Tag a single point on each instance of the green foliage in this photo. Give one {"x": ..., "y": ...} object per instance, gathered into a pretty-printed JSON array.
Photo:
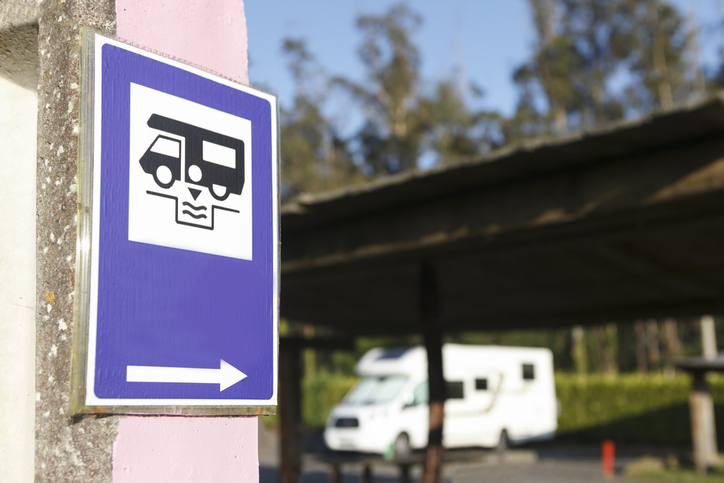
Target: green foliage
[
  {"x": 592, "y": 62},
  {"x": 319, "y": 395},
  {"x": 391, "y": 138},
  {"x": 658, "y": 60},
  {"x": 314, "y": 157},
  {"x": 626, "y": 408},
  {"x": 631, "y": 408},
  {"x": 582, "y": 45}
]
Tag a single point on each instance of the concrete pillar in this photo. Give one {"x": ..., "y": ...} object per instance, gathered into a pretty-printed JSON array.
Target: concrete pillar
[
  {"x": 708, "y": 337},
  {"x": 206, "y": 33},
  {"x": 210, "y": 34},
  {"x": 18, "y": 120},
  {"x": 703, "y": 429},
  {"x": 66, "y": 450}
]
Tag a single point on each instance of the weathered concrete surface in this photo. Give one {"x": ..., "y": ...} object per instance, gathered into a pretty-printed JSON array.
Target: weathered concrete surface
[
  {"x": 65, "y": 450},
  {"x": 18, "y": 122}
]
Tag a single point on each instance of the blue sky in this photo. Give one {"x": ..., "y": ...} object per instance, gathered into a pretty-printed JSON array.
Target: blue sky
[{"x": 489, "y": 37}]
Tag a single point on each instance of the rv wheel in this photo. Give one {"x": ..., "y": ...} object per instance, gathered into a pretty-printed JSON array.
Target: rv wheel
[
  {"x": 504, "y": 441},
  {"x": 402, "y": 446}
]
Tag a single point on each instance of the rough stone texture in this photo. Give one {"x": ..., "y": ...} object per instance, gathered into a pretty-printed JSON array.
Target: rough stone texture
[
  {"x": 19, "y": 42},
  {"x": 14, "y": 13},
  {"x": 66, "y": 449},
  {"x": 19, "y": 55}
]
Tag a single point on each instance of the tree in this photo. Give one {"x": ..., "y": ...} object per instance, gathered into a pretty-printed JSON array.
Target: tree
[
  {"x": 553, "y": 64},
  {"x": 391, "y": 138},
  {"x": 580, "y": 46},
  {"x": 661, "y": 60},
  {"x": 314, "y": 157},
  {"x": 453, "y": 131},
  {"x": 404, "y": 120}
]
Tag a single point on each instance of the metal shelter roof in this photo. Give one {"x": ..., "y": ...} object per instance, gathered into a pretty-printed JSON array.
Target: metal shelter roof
[{"x": 613, "y": 224}]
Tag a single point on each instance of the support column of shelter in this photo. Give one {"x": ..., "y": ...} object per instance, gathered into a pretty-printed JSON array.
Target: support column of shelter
[
  {"x": 432, "y": 332},
  {"x": 701, "y": 407},
  {"x": 708, "y": 337},
  {"x": 290, "y": 414},
  {"x": 290, "y": 402},
  {"x": 703, "y": 429}
]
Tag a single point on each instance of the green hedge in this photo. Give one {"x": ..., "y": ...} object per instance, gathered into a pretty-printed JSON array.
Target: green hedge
[
  {"x": 626, "y": 408},
  {"x": 629, "y": 408},
  {"x": 320, "y": 394}
]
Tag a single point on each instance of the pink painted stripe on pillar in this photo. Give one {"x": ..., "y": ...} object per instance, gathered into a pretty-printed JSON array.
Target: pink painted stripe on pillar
[
  {"x": 208, "y": 33},
  {"x": 183, "y": 449}
]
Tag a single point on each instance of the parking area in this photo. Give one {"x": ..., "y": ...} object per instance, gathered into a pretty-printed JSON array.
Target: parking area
[{"x": 550, "y": 463}]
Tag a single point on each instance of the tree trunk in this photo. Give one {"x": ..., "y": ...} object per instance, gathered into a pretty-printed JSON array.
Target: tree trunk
[
  {"x": 578, "y": 350},
  {"x": 659, "y": 57},
  {"x": 652, "y": 338},
  {"x": 671, "y": 343},
  {"x": 561, "y": 118},
  {"x": 641, "y": 358},
  {"x": 607, "y": 340}
]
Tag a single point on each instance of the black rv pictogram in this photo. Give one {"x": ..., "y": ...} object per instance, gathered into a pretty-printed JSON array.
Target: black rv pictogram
[{"x": 199, "y": 159}]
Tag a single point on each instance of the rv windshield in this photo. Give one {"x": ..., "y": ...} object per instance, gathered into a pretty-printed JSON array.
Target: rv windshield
[{"x": 375, "y": 390}]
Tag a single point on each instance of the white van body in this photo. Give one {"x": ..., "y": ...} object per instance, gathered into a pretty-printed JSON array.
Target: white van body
[{"x": 492, "y": 391}]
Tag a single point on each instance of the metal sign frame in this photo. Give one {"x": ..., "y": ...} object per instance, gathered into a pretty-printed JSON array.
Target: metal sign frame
[{"x": 84, "y": 372}]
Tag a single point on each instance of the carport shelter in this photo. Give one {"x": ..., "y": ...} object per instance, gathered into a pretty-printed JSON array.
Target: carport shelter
[{"x": 614, "y": 224}]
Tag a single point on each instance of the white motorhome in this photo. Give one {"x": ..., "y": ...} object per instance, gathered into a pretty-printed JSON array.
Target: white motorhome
[{"x": 495, "y": 396}]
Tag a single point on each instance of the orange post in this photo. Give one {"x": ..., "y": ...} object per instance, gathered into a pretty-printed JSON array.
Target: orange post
[{"x": 608, "y": 452}]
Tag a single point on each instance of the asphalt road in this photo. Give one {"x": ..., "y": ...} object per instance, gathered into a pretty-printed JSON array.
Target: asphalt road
[{"x": 548, "y": 464}]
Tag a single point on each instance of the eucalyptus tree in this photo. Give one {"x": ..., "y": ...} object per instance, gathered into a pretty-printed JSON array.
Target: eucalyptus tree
[
  {"x": 595, "y": 61},
  {"x": 392, "y": 135},
  {"x": 662, "y": 59},
  {"x": 314, "y": 156}
]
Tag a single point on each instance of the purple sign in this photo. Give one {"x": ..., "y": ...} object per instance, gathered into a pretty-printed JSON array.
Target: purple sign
[{"x": 184, "y": 245}]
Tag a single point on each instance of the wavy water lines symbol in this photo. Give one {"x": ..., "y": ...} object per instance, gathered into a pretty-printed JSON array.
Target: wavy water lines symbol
[
  {"x": 195, "y": 208},
  {"x": 196, "y": 217}
]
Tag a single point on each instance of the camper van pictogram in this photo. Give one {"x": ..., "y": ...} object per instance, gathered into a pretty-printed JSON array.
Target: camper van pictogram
[{"x": 201, "y": 161}]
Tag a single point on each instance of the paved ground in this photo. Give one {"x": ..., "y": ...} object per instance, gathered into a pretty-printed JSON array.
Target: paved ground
[
  {"x": 541, "y": 464},
  {"x": 548, "y": 471}
]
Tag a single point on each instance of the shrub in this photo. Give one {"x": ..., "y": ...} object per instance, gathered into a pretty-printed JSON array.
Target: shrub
[
  {"x": 319, "y": 395},
  {"x": 631, "y": 408},
  {"x": 628, "y": 408}
]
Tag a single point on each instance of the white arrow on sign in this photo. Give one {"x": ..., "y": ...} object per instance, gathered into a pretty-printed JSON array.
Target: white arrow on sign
[{"x": 225, "y": 376}]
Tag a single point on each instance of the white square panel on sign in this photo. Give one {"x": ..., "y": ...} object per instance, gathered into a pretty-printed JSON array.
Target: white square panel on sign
[{"x": 189, "y": 176}]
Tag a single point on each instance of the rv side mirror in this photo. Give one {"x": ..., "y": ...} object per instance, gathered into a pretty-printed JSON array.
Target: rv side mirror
[{"x": 408, "y": 401}]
